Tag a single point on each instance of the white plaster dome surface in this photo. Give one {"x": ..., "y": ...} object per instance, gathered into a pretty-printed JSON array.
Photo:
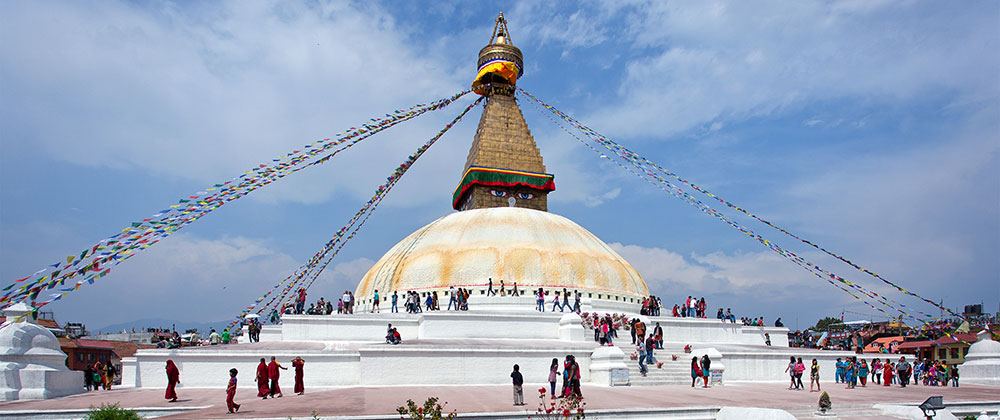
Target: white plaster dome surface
[
  {"x": 984, "y": 347},
  {"x": 27, "y": 337},
  {"x": 32, "y": 366},
  {"x": 982, "y": 363},
  {"x": 533, "y": 248}
]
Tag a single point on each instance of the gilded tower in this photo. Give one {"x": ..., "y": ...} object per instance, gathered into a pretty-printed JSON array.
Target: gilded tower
[{"x": 504, "y": 167}]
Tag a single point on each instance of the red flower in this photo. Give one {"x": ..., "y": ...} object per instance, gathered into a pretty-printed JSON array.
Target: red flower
[
  {"x": 420, "y": 409},
  {"x": 541, "y": 390},
  {"x": 566, "y": 413}
]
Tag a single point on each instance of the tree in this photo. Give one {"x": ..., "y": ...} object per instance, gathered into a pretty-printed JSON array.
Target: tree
[{"x": 829, "y": 323}]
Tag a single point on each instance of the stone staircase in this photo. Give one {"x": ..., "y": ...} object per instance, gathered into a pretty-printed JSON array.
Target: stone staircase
[{"x": 673, "y": 372}]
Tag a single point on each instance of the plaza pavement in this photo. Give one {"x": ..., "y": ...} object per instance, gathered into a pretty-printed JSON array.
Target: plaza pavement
[{"x": 379, "y": 401}]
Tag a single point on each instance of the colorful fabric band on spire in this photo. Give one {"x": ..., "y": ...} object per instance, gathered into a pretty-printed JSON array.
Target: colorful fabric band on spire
[{"x": 493, "y": 177}]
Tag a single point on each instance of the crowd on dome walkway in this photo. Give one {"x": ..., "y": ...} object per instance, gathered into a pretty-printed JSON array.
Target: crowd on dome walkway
[{"x": 853, "y": 371}]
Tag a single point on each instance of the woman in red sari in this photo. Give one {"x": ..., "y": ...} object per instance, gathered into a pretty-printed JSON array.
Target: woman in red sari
[
  {"x": 173, "y": 378},
  {"x": 299, "y": 365},
  {"x": 274, "y": 373},
  {"x": 887, "y": 373}
]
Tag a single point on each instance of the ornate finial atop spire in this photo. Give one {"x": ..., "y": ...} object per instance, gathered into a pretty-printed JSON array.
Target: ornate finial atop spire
[
  {"x": 500, "y": 33},
  {"x": 500, "y": 62}
]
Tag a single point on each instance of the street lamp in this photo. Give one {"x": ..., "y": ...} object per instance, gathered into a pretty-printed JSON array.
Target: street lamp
[{"x": 931, "y": 405}]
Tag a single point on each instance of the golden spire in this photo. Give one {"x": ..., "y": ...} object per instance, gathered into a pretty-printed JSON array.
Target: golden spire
[
  {"x": 500, "y": 63},
  {"x": 504, "y": 167}
]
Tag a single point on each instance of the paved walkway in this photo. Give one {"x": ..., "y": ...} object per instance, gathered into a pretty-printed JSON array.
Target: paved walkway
[{"x": 472, "y": 399}]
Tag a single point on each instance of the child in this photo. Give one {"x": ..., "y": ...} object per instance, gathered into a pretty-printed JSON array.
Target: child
[
  {"x": 814, "y": 377},
  {"x": 518, "y": 381},
  {"x": 231, "y": 392},
  {"x": 553, "y": 373}
]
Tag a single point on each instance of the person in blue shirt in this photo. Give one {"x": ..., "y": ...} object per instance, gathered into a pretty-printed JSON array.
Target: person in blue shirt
[{"x": 839, "y": 375}]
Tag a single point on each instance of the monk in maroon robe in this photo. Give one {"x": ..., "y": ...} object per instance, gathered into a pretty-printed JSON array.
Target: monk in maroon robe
[
  {"x": 274, "y": 373},
  {"x": 262, "y": 388},
  {"x": 299, "y": 365},
  {"x": 173, "y": 378}
]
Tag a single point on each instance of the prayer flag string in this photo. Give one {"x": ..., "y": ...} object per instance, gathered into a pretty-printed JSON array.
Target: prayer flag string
[
  {"x": 637, "y": 161},
  {"x": 628, "y": 154},
  {"x": 307, "y": 273},
  {"x": 96, "y": 262}
]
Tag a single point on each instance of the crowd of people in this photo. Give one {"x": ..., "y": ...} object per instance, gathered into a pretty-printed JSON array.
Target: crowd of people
[
  {"x": 691, "y": 308},
  {"x": 458, "y": 299},
  {"x": 268, "y": 375},
  {"x": 98, "y": 376},
  {"x": 650, "y": 306},
  {"x": 560, "y": 300},
  {"x": 490, "y": 291},
  {"x": 887, "y": 372},
  {"x": 853, "y": 371}
]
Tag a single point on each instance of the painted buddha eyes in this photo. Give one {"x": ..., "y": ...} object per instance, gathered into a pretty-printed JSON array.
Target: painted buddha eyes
[{"x": 520, "y": 195}]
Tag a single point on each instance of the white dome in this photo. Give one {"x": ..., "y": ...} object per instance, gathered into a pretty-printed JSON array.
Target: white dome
[
  {"x": 533, "y": 248},
  {"x": 33, "y": 365},
  {"x": 984, "y": 347},
  {"x": 26, "y": 337}
]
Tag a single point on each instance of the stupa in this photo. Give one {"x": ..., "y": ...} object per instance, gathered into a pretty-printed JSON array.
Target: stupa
[
  {"x": 32, "y": 366},
  {"x": 982, "y": 362},
  {"x": 502, "y": 230}
]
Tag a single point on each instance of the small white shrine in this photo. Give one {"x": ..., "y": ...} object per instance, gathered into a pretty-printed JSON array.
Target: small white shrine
[{"x": 32, "y": 366}]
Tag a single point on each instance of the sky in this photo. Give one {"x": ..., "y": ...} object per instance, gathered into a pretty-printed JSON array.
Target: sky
[{"x": 871, "y": 128}]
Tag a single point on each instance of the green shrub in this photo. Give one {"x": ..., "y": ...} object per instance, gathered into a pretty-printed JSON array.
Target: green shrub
[
  {"x": 431, "y": 410},
  {"x": 112, "y": 412}
]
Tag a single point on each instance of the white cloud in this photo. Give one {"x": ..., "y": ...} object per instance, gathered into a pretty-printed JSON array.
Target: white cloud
[
  {"x": 340, "y": 277},
  {"x": 185, "y": 275},
  {"x": 206, "y": 91},
  {"x": 672, "y": 274},
  {"x": 733, "y": 61},
  {"x": 916, "y": 217}
]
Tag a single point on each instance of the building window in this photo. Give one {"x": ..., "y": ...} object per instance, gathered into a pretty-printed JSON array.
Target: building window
[
  {"x": 942, "y": 353},
  {"x": 90, "y": 356},
  {"x": 104, "y": 357},
  {"x": 79, "y": 356},
  {"x": 954, "y": 353}
]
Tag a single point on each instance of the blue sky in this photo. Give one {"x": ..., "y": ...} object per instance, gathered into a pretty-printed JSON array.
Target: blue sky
[{"x": 871, "y": 128}]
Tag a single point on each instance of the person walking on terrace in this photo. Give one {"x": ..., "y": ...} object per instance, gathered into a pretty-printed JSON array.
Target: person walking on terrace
[
  {"x": 173, "y": 378},
  {"x": 273, "y": 373},
  {"x": 231, "y": 392}
]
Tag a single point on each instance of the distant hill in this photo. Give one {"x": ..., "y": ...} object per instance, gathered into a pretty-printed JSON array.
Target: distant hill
[{"x": 142, "y": 324}]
